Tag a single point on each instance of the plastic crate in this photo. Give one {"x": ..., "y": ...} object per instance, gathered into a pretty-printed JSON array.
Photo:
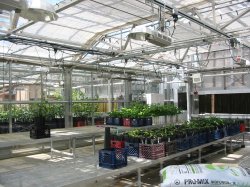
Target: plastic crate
[
  {"x": 117, "y": 144},
  {"x": 202, "y": 138},
  {"x": 37, "y": 133},
  {"x": 217, "y": 134},
  {"x": 182, "y": 143},
  {"x": 126, "y": 122},
  {"x": 137, "y": 122},
  {"x": 113, "y": 158},
  {"x": 152, "y": 151},
  {"x": 109, "y": 121},
  {"x": 194, "y": 140},
  {"x": 148, "y": 121},
  {"x": 170, "y": 147},
  {"x": 117, "y": 121},
  {"x": 242, "y": 127},
  {"x": 223, "y": 132},
  {"x": 132, "y": 149}
]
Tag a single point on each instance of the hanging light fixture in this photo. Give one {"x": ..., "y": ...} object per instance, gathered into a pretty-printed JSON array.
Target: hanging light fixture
[
  {"x": 39, "y": 10},
  {"x": 35, "y": 10}
]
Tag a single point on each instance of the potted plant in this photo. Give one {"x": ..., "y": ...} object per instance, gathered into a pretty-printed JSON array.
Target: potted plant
[
  {"x": 40, "y": 112},
  {"x": 115, "y": 118},
  {"x": 4, "y": 121}
]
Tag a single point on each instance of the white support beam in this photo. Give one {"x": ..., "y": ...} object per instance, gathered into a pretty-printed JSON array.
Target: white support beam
[
  {"x": 235, "y": 19},
  {"x": 213, "y": 10},
  {"x": 185, "y": 54}
]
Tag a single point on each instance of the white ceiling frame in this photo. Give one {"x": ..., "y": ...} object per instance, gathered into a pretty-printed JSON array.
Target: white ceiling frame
[{"x": 235, "y": 19}]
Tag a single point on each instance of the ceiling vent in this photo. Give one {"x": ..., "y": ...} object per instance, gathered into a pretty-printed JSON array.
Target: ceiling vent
[{"x": 152, "y": 36}]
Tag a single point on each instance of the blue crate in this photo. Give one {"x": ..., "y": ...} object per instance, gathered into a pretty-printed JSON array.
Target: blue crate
[
  {"x": 233, "y": 129},
  {"x": 216, "y": 134},
  {"x": 113, "y": 158},
  {"x": 109, "y": 121},
  {"x": 183, "y": 143},
  {"x": 224, "y": 132},
  {"x": 137, "y": 122},
  {"x": 132, "y": 149},
  {"x": 202, "y": 138},
  {"x": 194, "y": 140}
]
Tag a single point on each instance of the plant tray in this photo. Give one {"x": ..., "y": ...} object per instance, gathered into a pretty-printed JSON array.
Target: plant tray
[
  {"x": 170, "y": 147},
  {"x": 117, "y": 144},
  {"x": 112, "y": 158},
  {"x": 132, "y": 149},
  {"x": 152, "y": 151}
]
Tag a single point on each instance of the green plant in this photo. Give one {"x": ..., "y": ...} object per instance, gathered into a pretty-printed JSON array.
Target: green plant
[
  {"x": 115, "y": 114},
  {"x": 163, "y": 110},
  {"x": 82, "y": 109},
  {"x": 22, "y": 114},
  {"x": 4, "y": 116},
  {"x": 41, "y": 109}
]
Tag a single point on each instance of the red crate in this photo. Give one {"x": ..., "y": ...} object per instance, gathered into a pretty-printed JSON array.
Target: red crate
[
  {"x": 117, "y": 144},
  {"x": 152, "y": 151},
  {"x": 242, "y": 127},
  {"x": 127, "y": 122}
]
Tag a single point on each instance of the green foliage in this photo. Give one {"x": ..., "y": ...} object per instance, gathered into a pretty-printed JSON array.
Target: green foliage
[
  {"x": 115, "y": 114},
  {"x": 4, "y": 116},
  {"x": 139, "y": 110},
  {"x": 195, "y": 125},
  {"x": 82, "y": 109},
  {"x": 163, "y": 110},
  {"x": 22, "y": 114}
]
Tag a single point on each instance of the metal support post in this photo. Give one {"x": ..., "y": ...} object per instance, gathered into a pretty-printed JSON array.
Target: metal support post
[
  {"x": 109, "y": 95},
  {"x": 68, "y": 97},
  {"x": 231, "y": 147},
  {"x": 139, "y": 177},
  {"x": 51, "y": 148},
  {"x": 74, "y": 148},
  {"x": 199, "y": 155},
  {"x": 161, "y": 166},
  {"x": 188, "y": 100},
  {"x": 93, "y": 142},
  {"x": 10, "y": 97},
  {"x": 107, "y": 138},
  {"x": 128, "y": 95},
  {"x": 225, "y": 147},
  {"x": 243, "y": 141},
  {"x": 92, "y": 98}
]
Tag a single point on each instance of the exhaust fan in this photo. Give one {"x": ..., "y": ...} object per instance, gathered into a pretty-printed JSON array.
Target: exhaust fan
[
  {"x": 152, "y": 36},
  {"x": 36, "y": 10},
  {"x": 196, "y": 78}
]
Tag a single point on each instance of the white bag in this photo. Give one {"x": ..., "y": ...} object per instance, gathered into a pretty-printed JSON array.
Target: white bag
[{"x": 205, "y": 175}]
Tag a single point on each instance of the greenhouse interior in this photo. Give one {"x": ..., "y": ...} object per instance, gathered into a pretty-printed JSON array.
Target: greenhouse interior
[{"x": 124, "y": 93}]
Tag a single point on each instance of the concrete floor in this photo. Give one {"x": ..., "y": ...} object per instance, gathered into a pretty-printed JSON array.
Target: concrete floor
[{"x": 41, "y": 170}]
